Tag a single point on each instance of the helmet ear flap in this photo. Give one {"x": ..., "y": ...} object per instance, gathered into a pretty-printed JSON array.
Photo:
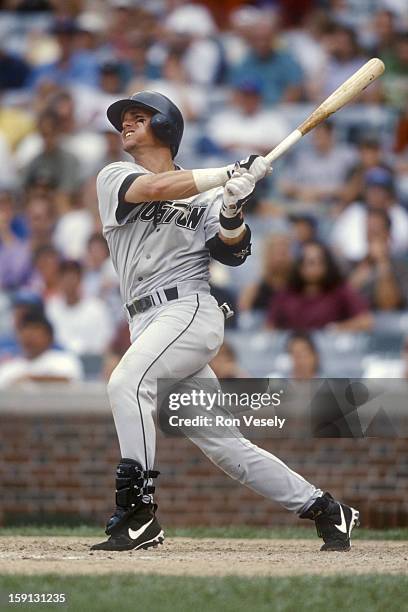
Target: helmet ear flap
[{"x": 162, "y": 127}]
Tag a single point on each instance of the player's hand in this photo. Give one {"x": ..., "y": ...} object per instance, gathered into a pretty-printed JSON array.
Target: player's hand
[
  {"x": 256, "y": 165},
  {"x": 236, "y": 192}
]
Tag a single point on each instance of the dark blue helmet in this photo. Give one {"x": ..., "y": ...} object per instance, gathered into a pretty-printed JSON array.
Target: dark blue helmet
[{"x": 167, "y": 122}]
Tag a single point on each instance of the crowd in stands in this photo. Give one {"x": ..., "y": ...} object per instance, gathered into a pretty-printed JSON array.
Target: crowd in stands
[{"x": 330, "y": 225}]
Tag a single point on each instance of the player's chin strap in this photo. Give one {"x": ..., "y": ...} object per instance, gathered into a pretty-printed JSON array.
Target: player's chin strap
[{"x": 133, "y": 488}]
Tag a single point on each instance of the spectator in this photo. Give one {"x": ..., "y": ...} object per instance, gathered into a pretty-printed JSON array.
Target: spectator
[
  {"x": 280, "y": 75},
  {"x": 73, "y": 65},
  {"x": 349, "y": 234},
  {"x": 318, "y": 297},
  {"x": 137, "y": 67},
  {"x": 304, "y": 229},
  {"x": 370, "y": 155},
  {"x": 111, "y": 78},
  {"x": 84, "y": 110},
  {"x": 13, "y": 308},
  {"x": 23, "y": 303},
  {"x": 303, "y": 360},
  {"x": 246, "y": 126},
  {"x": 384, "y": 33},
  {"x": 225, "y": 364},
  {"x": 100, "y": 278},
  {"x": 39, "y": 363},
  {"x": 40, "y": 216},
  {"x": 91, "y": 30},
  {"x": 395, "y": 80},
  {"x": 344, "y": 58},
  {"x": 75, "y": 114},
  {"x": 15, "y": 256},
  {"x": 236, "y": 39},
  {"x": 317, "y": 173},
  {"x": 82, "y": 325},
  {"x": 54, "y": 165},
  {"x": 45, "y": 279},
  {"x": 77, "y": 138},
  {"x": 306, "y": 45},
  {"x": 381, "y": 277},
  {"x": 190, "y": 30},
  {"x": 122, "y": 20},
  {"x": 191, "y": 98},
  {"x": 304, "y": 357},
  {"x": 277, "y": 262},
  {"x": 73, "y": 228}
]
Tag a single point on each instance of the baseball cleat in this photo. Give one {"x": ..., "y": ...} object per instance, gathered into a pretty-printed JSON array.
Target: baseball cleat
[
  {"x": 140, "y": 530},
  {"x": 334, "y": 522}
]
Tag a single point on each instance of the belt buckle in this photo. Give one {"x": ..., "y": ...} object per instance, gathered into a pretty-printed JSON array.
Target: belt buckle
[{"x": 144, "y": 303}]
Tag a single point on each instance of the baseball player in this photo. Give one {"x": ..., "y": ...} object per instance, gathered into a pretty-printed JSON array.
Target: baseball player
[{"x": 162, "y": 225}]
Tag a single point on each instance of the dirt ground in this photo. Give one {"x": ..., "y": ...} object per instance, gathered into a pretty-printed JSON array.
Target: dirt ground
[{"x": 201, "y": 557}]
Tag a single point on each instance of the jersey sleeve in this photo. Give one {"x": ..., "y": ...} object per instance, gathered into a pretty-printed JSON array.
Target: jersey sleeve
[{"x": 112, "y": 183}]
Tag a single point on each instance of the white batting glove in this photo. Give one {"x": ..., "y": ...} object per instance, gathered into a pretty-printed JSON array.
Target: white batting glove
[
  {"x": 256, "y": 165},
  {"x": 236, "y": 192}
]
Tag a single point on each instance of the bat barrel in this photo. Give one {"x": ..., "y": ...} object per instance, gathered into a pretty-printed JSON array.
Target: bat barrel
[
  {"x": 341, "y": 96},
  {"x": 351, "y": 88}
]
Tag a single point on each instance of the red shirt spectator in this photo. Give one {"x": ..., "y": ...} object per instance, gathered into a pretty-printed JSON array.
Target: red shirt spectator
[{"x": 317, "y": 296}]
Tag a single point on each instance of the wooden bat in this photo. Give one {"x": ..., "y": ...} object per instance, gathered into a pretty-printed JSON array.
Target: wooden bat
[{"x": 339, "y": 98}]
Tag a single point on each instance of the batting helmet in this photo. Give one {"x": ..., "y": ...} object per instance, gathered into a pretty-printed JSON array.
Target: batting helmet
[{"x": 167, "y": 121}]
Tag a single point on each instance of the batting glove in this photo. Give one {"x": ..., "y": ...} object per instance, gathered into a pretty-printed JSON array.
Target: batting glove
[
  {"x": 236, "y": 192},
  {"x": 256, "y": 165}
]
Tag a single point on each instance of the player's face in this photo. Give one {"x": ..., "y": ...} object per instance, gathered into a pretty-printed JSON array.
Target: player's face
[{"x": 136, "y": 128}]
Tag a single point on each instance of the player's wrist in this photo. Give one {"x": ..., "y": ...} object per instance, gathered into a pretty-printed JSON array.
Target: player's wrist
[
  {"x": 209, "y": 178},
  {"x": 231, "y": 227}
]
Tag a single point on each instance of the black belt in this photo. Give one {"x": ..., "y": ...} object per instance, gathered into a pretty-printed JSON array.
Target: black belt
[{"x": 137, "y": 306}]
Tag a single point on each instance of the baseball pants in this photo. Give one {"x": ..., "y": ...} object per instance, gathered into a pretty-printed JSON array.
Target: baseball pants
[{"x": 175, "y": 341}]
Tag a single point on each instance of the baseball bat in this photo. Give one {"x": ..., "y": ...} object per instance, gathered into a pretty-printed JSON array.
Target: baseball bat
[{"x": 339, "y": 98}]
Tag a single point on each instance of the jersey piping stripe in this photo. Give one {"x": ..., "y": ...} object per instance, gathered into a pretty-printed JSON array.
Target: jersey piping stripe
[
  {"x": 148, "y": 368},
  {"x": 124, "y": 208}
]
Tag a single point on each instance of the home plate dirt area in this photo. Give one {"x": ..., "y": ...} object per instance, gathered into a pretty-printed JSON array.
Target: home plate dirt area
[{"x": 201, "y": 557}]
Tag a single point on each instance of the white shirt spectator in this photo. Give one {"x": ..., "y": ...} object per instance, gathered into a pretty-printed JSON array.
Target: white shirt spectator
[
  {"x": 51, "y": 363},
  {"x": 349, "y": 235},
  {"x": 84, "y": 328},
  {"x": 72, "y": 232},
  {"x": 262, "y": 130}
]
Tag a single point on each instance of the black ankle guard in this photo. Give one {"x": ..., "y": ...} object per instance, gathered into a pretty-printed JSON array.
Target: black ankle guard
[
  {"x": 318, "y": 508},
  {"x": 132, "y": 483}
]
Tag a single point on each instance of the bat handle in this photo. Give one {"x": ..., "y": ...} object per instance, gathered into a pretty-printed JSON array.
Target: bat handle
[{"x": 283, "y": 146}]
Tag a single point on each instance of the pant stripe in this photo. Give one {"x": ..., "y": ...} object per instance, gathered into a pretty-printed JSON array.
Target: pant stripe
[{"x": 148, "y": 368}]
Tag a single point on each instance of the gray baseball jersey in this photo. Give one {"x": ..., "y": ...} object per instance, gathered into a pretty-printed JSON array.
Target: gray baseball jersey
[{"x": 155, "y": 244}]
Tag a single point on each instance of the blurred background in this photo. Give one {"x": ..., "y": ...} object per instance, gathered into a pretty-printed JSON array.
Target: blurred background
[{"x": 325, "y": 292}]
